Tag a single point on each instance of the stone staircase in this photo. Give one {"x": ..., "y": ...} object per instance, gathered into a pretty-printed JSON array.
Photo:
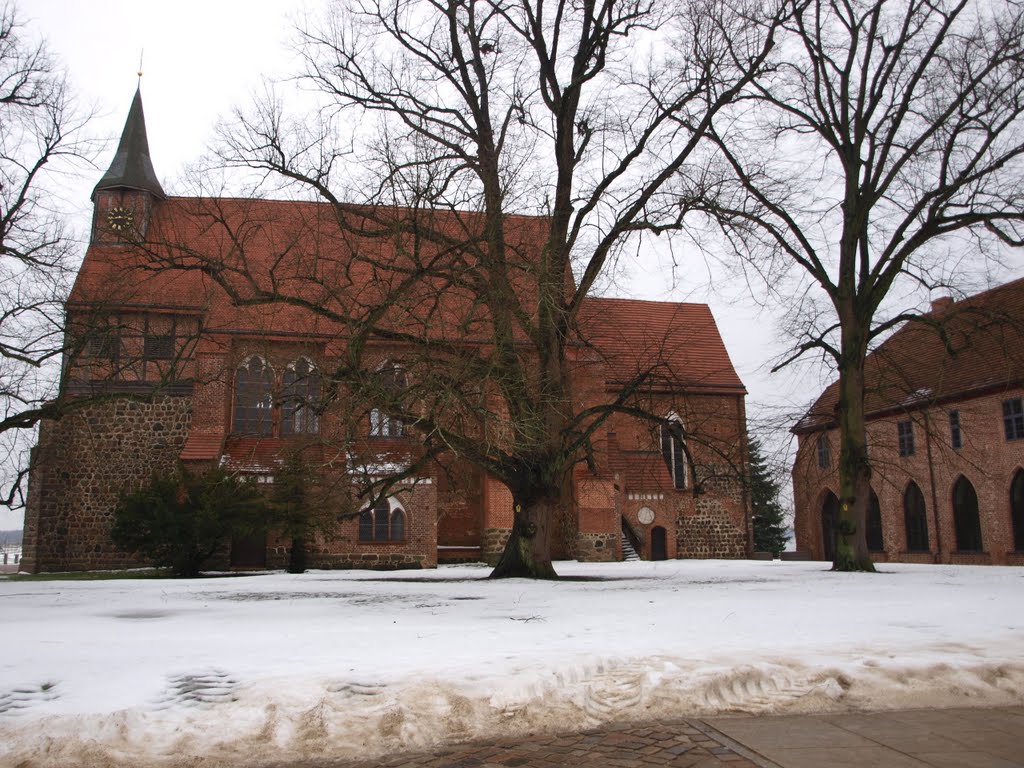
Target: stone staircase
[{"x": 628, "y": 553}]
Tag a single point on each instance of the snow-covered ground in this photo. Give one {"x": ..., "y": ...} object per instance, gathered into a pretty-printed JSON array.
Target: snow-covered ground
[{"x": 260, "y": 669}]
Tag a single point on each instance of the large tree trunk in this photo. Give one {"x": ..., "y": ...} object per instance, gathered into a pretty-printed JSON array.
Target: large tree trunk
[
  {"x": 851, "y": 550},
  {"x": 528, "y": 551}
]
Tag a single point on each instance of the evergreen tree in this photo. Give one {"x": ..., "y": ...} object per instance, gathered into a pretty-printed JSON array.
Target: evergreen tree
[
  {"x": 181, "y": 520},
  {"x": 769, "y": 516}
]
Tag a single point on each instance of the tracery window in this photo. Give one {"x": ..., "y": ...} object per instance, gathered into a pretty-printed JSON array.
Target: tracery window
[
  {"x": 254, "y": 381},
  {"x": 383, "y": 424},
  {"x": 673, "y": 450},
  {"x": 300, "y": 399},
  {"x": 382, "y": 522}
]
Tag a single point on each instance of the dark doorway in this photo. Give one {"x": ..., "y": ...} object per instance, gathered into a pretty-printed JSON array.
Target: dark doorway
[
  {"x": 249, "y": 551},
  {"x": 829, "y": 520},
  {"x": 659, "y": 543}
]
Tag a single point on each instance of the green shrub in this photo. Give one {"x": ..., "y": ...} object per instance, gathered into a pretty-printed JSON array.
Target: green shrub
[{"x": 180, "y": 521}]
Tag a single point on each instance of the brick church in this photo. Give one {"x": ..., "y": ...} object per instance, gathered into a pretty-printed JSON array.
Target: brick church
[{"x": 172, "y": 369}]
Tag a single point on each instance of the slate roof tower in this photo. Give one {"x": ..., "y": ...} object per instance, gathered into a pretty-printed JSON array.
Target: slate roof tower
[{"x": 124, "y": 197}]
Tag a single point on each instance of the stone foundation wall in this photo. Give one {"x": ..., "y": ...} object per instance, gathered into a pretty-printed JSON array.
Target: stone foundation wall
[
  {"x": 494, "y": 541},
  {"x": 81, "y": 466},
  {"x": 719, "y": 525},
  {"x": 370, "y": 561},
  {"x": 595, "y": 547},
  {"x": 710, "y": 534}
]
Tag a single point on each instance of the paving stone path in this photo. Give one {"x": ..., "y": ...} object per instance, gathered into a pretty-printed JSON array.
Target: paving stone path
[
  {"x": 921, "y": 738},
  {"x": 681, "y": 744}
]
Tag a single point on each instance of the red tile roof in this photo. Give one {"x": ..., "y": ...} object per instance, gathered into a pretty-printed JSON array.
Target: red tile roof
[
  {"x": 254, "y": 454},
  {"x": 959, "y": 350},
  {"x": 677, "y": 344},
  {"x": 300, "y": 247},
  {"x": 201, "y": 446}
]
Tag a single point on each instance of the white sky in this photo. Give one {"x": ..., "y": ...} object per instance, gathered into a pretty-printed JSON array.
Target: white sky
[{"x": 263, "y": 670}]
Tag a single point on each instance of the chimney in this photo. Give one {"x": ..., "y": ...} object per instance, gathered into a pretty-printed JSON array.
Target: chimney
[{"x": 941, "y": 304}]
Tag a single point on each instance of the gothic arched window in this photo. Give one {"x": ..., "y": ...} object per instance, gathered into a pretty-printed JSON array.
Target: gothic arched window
[
  {"x": 300, "y": 399},
  {"x": 254, "y": 381},
  {"x": 382, "y": 424},
  {"x": 673, "y": 450},
  {"x": 874, "y": 526},
  {"x": 965, "y": 516},
  {"x": 914, "y": 519},
  {"x": 1017, "y": 510},
  {"x": 382, "y": 522}
]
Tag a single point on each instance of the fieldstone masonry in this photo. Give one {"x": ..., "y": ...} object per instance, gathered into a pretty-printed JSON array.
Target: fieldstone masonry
[
  {"x": 494, "y": 541},
  {"x": 596, "y": 547},
  {"x": 81, "y": 466},
  {"x": 716, "y": 530}
]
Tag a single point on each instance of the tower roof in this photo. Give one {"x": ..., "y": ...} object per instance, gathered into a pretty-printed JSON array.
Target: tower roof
[{"x": 131, "y": 167}]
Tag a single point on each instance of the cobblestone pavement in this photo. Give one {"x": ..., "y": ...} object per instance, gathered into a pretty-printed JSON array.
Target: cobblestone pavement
[
  {"x": 922, "y": 738},
  {"x": 682, "y": 744}
]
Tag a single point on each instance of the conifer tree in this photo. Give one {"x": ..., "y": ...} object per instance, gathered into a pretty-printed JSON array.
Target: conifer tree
[{"x": 769, "y": 516}]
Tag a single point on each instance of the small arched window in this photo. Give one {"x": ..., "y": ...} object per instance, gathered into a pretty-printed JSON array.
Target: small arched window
[
  {"x": 382, "y": 424},
  {"x": 914, "y": 519},
  {"x": 300, "y": 399},
  {"x": 965, "y": 516},
  {"x": 1017, "y": 510},
  {"x": 874, "y": 524},
  {"x": 673, "y": 450},
  {"x": 384, "y": 521},
  {"x": 254, "y": 381}
]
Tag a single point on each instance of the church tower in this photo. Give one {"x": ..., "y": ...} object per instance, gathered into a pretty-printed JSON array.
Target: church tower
[{"x": 124, "y": 198}]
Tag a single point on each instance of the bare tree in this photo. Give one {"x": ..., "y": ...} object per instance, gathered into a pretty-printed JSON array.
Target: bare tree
[
  {"x": 506, "y": 151},
  {"x": 41, "y": 132},
  {"x": 880, "y": 156}
]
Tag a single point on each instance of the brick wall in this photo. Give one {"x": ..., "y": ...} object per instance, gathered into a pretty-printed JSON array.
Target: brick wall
[{"x": 986, "y": 459}]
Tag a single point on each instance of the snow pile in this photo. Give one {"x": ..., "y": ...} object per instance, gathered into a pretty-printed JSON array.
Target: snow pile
[{"x": 268, "y": 669}]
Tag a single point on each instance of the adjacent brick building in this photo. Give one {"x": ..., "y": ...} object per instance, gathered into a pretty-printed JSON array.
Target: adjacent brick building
[
  {"x": 945, "y": 440},
  {"x": 179, "y": 371}
]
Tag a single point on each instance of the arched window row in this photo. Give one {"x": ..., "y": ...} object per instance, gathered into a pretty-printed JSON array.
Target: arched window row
[
  {"x": 299, "y": 398},
  {"x": 966, "y": 517},
  {"x": 383, "y": 522}
]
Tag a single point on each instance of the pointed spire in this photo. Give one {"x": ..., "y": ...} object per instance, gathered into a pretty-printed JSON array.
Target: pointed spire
[{"x": 131, "y": 167}]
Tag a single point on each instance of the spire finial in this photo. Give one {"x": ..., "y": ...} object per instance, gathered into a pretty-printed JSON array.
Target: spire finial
[{"x": 142, "y": 51}]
